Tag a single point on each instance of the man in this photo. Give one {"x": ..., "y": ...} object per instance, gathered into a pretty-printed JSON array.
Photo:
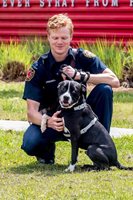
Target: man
[{"x": 41, "y": 88}]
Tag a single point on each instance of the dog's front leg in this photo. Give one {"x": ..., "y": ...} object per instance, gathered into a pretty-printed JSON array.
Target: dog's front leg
[{"x": 74, "y": 155}]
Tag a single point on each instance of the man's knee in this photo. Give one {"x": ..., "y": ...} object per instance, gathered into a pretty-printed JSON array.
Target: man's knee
[
  {"x": 101, "y": 92},
  {"x": 31, "y": 140},
  {"x": 105, "y": 90},
  {"x": 29, "y": 147}
]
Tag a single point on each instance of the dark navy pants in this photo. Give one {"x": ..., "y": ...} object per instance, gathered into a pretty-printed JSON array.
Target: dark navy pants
[{"x": 43, "y": 145}]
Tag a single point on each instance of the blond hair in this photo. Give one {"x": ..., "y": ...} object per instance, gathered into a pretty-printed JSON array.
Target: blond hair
[{"x": 59, "y": 21}]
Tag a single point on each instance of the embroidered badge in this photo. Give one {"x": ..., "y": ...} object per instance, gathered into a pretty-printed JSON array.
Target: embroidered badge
[
  {"x": 30, "y": 74},
  {"x": 89, "y": 54}
]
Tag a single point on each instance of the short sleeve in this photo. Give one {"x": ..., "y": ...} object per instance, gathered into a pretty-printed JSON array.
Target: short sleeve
[
  {"x": 33, "y": 88},
  {"x": 90, "y": 62}
]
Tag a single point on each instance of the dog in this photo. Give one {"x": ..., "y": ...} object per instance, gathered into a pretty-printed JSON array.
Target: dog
[{"x": 84, "y": 130}]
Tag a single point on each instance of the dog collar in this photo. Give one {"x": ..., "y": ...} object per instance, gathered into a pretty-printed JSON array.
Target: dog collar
[
  {"x": 84, "y": 130},
  {"x": 80, "y": 107}
]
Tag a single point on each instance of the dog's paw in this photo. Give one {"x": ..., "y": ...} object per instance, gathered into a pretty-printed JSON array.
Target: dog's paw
[{"x": 71, "y": 168}]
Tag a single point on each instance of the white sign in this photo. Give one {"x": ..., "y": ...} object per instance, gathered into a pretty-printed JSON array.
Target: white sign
[{"x": 62, "y": 3}]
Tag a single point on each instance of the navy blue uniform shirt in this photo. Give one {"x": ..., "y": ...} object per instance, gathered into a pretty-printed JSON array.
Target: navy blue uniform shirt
[{"x": 44, "y": 76}]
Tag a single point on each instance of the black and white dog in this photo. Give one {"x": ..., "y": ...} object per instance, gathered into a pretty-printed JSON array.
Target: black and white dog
[{"x": 84, "y": 130}]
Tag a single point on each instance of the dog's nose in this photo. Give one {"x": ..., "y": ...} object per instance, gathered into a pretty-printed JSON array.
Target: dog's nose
[{"x": 66, "y": 98}]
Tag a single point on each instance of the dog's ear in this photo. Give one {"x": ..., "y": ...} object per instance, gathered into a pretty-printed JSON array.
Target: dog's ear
[
  {"x": 83, "y": 89},
  {"x": 59, "y": 84}
]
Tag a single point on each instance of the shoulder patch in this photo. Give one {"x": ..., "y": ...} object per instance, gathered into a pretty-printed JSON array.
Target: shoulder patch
[
  {"x": 88, "y": 54},
  {"x": 30, "y": 74}
]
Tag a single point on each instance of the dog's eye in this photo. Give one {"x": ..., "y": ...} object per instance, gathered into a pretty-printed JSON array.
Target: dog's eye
[
  {"x": 76, "y": 89},
  {"x": 73, "y": 92},
  {"x": 63, "y": 89}
]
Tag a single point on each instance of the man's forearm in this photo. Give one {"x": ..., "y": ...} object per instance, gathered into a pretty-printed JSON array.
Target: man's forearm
[
  {"x": 103, "y": 78},
  {"x": 108, "y": 78},
  {"x": 34, "y": 117}
]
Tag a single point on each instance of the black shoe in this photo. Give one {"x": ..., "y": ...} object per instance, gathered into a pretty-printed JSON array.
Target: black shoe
[{"x": 45, "y": 161}]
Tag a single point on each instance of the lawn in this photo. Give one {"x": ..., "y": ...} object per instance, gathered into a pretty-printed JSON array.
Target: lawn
[{"x": 22, "y": 178}]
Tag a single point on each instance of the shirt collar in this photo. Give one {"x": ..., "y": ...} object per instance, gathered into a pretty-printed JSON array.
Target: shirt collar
[
  {"x": 71, "y": 53},
  {"x": 53, "y": 61}
]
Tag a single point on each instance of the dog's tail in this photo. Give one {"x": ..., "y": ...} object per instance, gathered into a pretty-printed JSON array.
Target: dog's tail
[{"x": 121, "y": 167}]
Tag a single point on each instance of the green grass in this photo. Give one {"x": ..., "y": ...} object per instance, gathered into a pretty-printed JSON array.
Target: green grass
[
  {"x": 13, "y": 107},
  {"x": 123, "y": 110},
  {"x": 22, "y": 178}
]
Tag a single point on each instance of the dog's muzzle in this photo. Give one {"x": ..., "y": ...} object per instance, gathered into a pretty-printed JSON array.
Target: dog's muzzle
[{"x": 65, "y": 101}]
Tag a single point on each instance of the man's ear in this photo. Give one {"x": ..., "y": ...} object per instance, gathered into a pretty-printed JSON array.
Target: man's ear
[{"x": 48, "y": 35}]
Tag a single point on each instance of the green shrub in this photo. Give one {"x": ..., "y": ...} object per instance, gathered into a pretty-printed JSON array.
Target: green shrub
[
  {"x": 23, "y": 52},
  {"x": 37, "y": 47},
  {"x": 115, "y": 56},
  {"x": 110, "y": 53},
  {"x": 14, "y": 52}
]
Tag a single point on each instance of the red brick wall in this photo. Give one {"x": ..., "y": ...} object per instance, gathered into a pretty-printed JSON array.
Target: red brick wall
[{"x": 91, "y": 22}]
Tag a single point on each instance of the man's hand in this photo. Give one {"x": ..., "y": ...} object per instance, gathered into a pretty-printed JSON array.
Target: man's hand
[
  {"x": 56, "y": 122},
  {"x": 70, "y": 71}
]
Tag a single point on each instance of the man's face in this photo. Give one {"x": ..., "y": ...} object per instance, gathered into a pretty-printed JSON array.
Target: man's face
[{"x": 59, "y": 41}]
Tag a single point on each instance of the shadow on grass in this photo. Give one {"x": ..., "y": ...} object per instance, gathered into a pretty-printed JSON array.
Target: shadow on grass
[
  {"x": 45, "y": 170},
  {"x": 36, "y": 167}
]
